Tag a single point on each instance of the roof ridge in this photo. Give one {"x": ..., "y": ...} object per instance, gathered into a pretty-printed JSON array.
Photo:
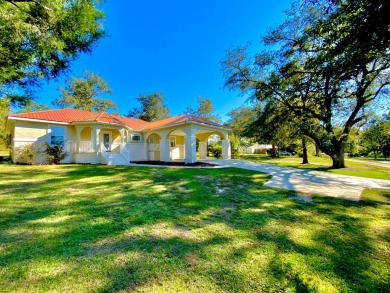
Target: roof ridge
[{"x": 99, "y": 114}]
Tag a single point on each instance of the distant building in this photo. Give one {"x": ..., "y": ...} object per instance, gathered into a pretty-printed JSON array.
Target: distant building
[{"x": 258, "y": 148}]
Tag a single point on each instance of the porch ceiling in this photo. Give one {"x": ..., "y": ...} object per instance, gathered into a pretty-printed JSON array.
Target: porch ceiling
[{"x": 178, "y": 132}]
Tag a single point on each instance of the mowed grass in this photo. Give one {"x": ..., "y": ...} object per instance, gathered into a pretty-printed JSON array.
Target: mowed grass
[
  {"x": 85, "y": 228},
  {"x": 4, "y": 152},
  {"x": 358, "y": 169}
]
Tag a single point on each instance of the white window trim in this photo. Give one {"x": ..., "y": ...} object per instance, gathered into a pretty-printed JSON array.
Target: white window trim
[
  {"x": 136, "y": 134},
  {"x": 49, "y": 131}
]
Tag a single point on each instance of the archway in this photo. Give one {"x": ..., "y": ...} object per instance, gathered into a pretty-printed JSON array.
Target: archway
[
  {"x": 86, "y": 144},
  {"x": 153, "y": 147},
  {"x": 176, "y": 145},
  {"x": 212, "y": 145}
]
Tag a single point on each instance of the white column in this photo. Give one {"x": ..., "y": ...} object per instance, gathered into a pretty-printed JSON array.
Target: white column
[
  {"x": 165, "y": 149},
  {"x": 96, "y": 139},
  {"x": 226, "y": 153},
  {"x": 203, "y": 150},
  {"x": 93, "y": 139},
  {"x": 78, "y": 138},
  {"x": 190, "y": 149},
  {"x": 122, "y": 133}
]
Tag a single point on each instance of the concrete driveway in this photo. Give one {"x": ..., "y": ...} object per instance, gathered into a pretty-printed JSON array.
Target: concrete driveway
[{"x": 306, "y": 181}]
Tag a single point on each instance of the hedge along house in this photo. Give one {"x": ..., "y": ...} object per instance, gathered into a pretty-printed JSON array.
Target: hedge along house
[{"x": 98, "y": 137}]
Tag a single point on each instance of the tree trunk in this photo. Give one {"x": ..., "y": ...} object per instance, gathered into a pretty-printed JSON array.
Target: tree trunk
[
  {"x": 317, "y": 151},
  {"x": 338, "y": 159},
  {"x": 305, "y": 160}
]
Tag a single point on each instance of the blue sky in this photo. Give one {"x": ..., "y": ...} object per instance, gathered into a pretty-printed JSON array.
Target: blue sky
[{"x": 172, "y": 47}]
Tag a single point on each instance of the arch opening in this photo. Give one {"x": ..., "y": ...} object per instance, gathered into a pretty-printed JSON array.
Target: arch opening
[{"x": 153, "y": 147}]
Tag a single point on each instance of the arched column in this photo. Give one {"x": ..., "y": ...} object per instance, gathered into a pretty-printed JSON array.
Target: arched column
[
  {"x": 203, "y": 150},
  {"x": 190, "y": 145},
  {"x": 165, "y": 150},
  {"x": 122, "y": 134},
  {"x": 226, "y": 150},
  {"x": 78, "y": 138},
  {"x": 190, "y": 148},
  {"x": 96, "y": 138}
]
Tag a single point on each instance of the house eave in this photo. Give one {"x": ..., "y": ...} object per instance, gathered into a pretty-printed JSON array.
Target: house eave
[
  {"x": 101, "y": 123},
  {"x": 37, "y": 120}
]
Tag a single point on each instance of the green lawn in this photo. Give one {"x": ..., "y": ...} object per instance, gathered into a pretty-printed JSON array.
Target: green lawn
[
  {"x": 359, "y": 169},
  {"x": 4, "y": 152},
  {"x": 85, "y": 228}
]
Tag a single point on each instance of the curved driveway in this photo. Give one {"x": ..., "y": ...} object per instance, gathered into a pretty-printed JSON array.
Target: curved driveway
[{"x": 307, "y": 181}]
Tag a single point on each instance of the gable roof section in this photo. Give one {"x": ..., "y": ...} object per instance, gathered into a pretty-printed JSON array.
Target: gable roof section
[
  {"x": 61, "y": 115},
  {"x": 76, "y": 115},
  {"x": 133, "y": 123},
  {"x": 179, "y": 120}
]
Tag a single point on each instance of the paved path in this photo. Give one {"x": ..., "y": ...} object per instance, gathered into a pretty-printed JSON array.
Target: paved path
[{"x": 307, "y": 181}]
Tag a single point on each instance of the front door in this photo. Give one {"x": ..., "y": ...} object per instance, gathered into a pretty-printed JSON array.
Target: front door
[{"x": 107, "y": 140}]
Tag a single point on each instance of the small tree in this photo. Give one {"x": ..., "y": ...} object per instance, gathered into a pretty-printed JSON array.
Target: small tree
[
  {"x": 216, "y": 150},
  {"x": 26, "y": 154},
  {"x": 235, "y": 146},
  {"x": 55, "y": 154}
]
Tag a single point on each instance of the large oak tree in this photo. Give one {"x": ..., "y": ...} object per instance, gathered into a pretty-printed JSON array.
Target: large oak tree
[{"x": 326, "y": 70}]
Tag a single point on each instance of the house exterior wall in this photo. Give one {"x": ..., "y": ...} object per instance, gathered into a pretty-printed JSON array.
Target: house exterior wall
[
  {"x": 84, "y": 158},
  {"x": 31, "y": 130},
  {"x": 90, "y": 133},
  {"x": 27, "y": 132},
  {"x": 138, "y": 151}
]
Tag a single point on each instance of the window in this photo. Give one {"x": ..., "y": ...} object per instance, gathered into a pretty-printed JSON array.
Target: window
[
  {"x": 57, "y": 135},
  {"x": 173, "y": 142},
  {"x": 136, "y": 137}
]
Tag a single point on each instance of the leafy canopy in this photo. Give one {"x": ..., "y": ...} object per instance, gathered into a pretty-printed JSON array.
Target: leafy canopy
[
  {"x": 39, "y": 40},
  {"x": 86, "y": 93},
  {"x": 152, "y": 108},
  {"x": 205, "y": 110}
]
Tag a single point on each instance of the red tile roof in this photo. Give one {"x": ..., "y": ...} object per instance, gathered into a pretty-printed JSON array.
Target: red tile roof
[
  {"x": 76, "y": 115},
  {"x": 179, "y": 119},
  {"x": 62, "y": 115}
]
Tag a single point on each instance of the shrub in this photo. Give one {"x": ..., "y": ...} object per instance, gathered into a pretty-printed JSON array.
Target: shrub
[
  {"x": 235, "y": 146},
  {"x": 216, "y": 150},
  {"x": 26, "y": 154},
  {"x": 55, "y": 154}
]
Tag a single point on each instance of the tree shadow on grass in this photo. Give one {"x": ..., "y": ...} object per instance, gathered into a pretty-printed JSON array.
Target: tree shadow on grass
[{"x": 213, "y": 230}]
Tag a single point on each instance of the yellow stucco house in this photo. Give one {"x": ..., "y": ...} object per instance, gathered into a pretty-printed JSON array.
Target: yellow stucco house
[{"x": 98, "y": 137}]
